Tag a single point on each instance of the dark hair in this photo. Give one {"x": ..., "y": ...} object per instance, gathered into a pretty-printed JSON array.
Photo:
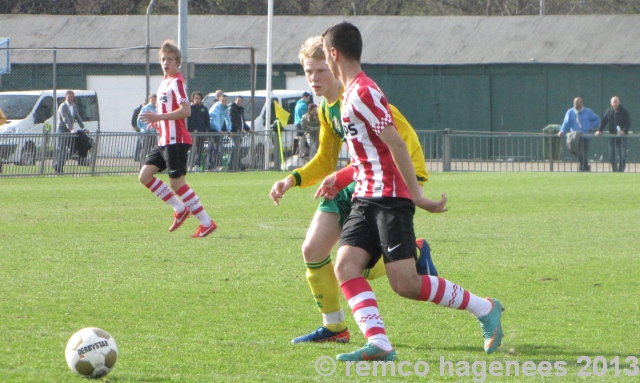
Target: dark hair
[
  {"x": 312, "y": 106},
  {"x": 345, "y": 38},
  {"x": 306, "y": 94},
  {"x": 196, "y": 93}
]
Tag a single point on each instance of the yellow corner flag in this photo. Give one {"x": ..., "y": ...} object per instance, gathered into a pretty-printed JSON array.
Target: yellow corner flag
[
  {"x": 283, "y": 117},
  {"x": 281, "y": 114}
]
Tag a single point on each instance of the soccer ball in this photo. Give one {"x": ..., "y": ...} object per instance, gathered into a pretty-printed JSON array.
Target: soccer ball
[{"x": 91, "y": 352}]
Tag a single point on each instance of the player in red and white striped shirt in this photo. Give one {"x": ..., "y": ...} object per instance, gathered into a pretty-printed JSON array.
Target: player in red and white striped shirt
[
  {"x": 174, "y": 142},
  {"x": 381, "y": 219}
]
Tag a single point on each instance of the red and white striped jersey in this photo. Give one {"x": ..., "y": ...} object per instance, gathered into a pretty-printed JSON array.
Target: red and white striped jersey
[
  {"x": 365, "y": 113},
  {"x": 171, "y": 94}
]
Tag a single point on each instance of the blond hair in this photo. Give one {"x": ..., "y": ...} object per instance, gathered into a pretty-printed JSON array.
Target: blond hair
[
  {"x": 171, "y": 47},
  {"x": 311, "y": 49}
]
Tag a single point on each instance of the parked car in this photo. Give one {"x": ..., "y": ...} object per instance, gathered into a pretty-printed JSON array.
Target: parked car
[{"x": 30, "y": 114}]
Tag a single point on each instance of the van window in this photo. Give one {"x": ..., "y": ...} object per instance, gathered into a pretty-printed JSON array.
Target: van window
[
  {"x": 17, "y": 106},
  {"x": 289, "y": 104},
  {"x": 44, "y": 110},
  {"x": 249, "y": 114},
  {"x": 87, "y": 107}
]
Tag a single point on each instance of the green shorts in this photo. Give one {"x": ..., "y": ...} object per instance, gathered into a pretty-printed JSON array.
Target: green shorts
[{"x": 341, "y": 204}]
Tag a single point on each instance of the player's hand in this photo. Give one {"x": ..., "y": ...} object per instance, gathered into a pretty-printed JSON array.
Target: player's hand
[
  {"x": 279, "y": 188},
  {"x": 149, "y": 117},
  {"x": 432, "y": 206},
  {"x": 328, "y": 188}
]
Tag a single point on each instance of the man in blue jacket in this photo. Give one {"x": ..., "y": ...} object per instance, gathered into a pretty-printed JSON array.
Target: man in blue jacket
[
  {"x": 220, "y": 121},
  {"x": 299, "y": 111},
  {"x": 582, "y": 121}
]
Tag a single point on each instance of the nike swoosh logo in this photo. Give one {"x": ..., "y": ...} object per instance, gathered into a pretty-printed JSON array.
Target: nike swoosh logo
[{"x": 390, "y": 249}]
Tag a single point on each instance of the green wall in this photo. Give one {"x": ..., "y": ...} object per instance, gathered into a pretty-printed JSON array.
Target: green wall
[
  {"x": 504, "y": 98},
  {"x": 497, "y": 98}
]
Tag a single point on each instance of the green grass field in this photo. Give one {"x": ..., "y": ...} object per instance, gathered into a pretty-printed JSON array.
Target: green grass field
[{"x": 559, "y": 250}]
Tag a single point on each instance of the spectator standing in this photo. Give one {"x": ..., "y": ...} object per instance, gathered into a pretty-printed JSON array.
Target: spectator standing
[
  {"x": 68, "y": 116},
  {"x": 220, "y": 122},
  {"x": 198, "y": 122},
  {"x": 238, "y": 128},
  {"x": 311, "y": 127},
  {"x": 579, "y": 121},
  {"x": 618, "y": 121},
  {"x": 219, "y": 118},
  {"x": 146, "y": 129},
  {"x": 134, "y": 126},
  {"x": 236, "y": 115},
  {"x": 134, "y": 116},
  {"x": 298, "y": 112}
]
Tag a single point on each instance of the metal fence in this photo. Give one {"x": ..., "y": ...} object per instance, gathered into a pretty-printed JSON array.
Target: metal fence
[{"x": 124, "y": 153}]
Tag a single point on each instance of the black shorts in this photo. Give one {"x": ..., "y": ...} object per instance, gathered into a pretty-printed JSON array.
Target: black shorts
[
  {"x": 171, "y": 157},
  {"x": 382, "y": 227}
]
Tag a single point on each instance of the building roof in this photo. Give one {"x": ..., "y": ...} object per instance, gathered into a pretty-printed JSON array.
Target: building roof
[{"x": 391, "y": 40}]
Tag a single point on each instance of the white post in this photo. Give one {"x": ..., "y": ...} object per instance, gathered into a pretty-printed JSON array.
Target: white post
[
  {"x": 183, "y": 12},
  {"x": 269, "y": 62},
  {"x": 146, "y": 49}
]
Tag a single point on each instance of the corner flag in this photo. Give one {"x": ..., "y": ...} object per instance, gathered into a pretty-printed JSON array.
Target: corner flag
[
  {"x": 282, "y": 118},
  {"x": 281, "y": 114}
]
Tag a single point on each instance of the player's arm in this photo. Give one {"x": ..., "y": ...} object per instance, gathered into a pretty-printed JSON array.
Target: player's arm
[
  {"x": 335, "y": 182},
  {"x": 389, "y": 135},
  {"x": 322, "y": 164},
  {"x": 184, "y": 111},
  {"x": 325, "y": 160},
  {"x": 410, "y": 138}
]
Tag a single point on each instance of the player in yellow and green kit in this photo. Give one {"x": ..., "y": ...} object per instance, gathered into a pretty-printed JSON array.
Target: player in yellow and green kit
[{"x": 324, "y": 230}]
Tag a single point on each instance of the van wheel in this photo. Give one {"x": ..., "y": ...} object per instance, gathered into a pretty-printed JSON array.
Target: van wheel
[{"x": 28, "y": 156}]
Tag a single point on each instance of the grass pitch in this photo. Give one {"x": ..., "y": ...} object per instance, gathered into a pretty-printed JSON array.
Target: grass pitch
[{"x": 559, "y": 250}]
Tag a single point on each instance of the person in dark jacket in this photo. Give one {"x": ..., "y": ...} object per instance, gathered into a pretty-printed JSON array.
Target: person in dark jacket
[
  {"x": 618, "y": 121},
  {"x": 236, "y": 112},
  {"x": 197, "y": 122},
  {"x": 134, "y": 125},
  {"x": 238, "y": 127},
  {"x": 68, "y": 116}
]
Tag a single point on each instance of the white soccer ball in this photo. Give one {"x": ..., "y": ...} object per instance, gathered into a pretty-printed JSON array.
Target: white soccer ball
[{"x": 91, "y": 352}]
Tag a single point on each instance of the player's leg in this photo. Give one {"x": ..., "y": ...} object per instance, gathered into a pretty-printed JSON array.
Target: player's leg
[
  {"x": 397, "y": 243},
  {"x": 424, "y": 262},
  {"x": 154, "y": 163},
  {"x": 357, "y": 243},
  {"x": 323, "y": 233},
  {"x": 177, "y": 162}
]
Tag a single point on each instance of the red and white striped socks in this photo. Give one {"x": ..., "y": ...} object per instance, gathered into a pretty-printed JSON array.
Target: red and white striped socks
[
  {"x": 192, "y": 202},
  {"x": 448, "y": 294},
  {"x": 364, "y": 306},
  {"x": 163, "y": 191},
  {"x": 189, "y": 199}
]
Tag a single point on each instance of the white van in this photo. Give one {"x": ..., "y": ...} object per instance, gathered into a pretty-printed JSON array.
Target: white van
[
  {"x": 286, "y": 98},
  {"x": 30, "y": 113}
]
